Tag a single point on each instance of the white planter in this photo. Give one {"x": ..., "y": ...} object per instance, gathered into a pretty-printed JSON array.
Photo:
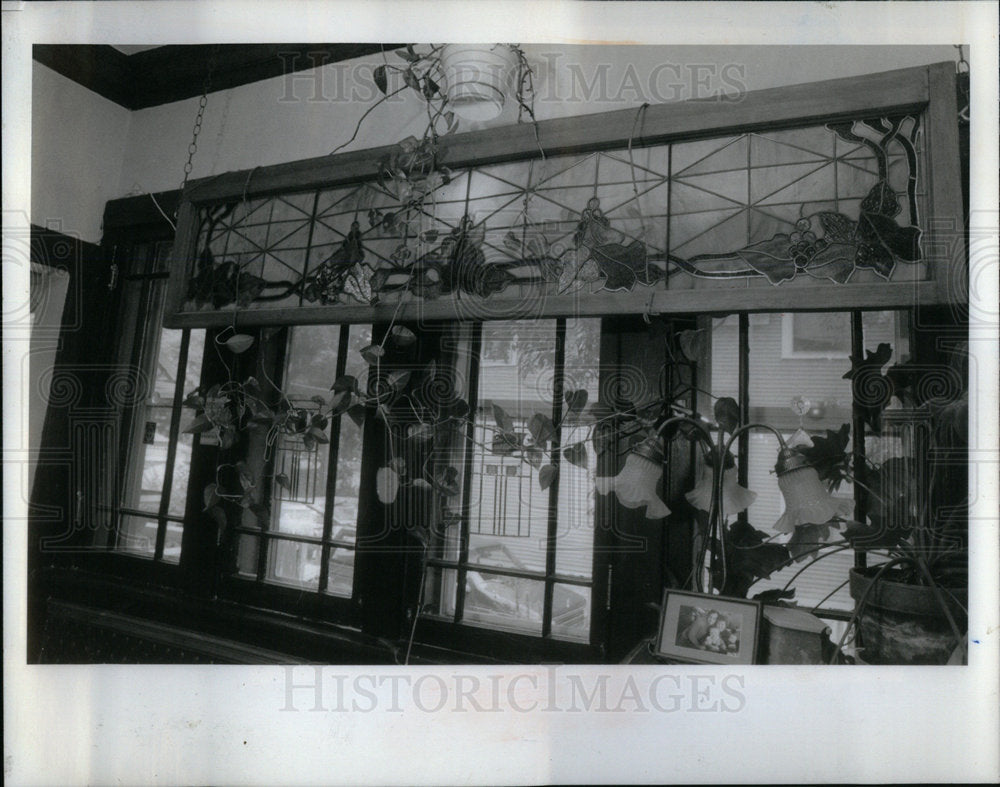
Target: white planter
[{"x": 477, "y": 78}]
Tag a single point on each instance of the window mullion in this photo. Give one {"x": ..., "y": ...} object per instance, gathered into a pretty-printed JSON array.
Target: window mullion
[
  {"x": 858, "y": 429},
  {"x": 553, "y": 512},
  {"x": 331, "y": 475},
  {"x": 475, "y": 349},
  {"x": 743, "y": 442},
  {"x": 175, "y": 427}
]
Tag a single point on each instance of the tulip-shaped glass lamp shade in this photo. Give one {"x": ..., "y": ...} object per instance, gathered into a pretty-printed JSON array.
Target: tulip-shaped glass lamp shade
[
  {"x": 635, "y": 485},
  {"x": 735, "y": 498},
  {"x": 807, "y": 501}
]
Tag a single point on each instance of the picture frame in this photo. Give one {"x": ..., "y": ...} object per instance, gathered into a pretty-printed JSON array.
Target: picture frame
[{"x": 700, "y": 628}]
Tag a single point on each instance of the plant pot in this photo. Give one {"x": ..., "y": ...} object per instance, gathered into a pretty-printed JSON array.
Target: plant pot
[
  {"x": 477, "y": 78},
  {"x": 903, "y": 623}
]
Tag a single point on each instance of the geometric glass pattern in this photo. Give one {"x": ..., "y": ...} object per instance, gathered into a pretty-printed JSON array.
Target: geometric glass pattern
[{"x": 835, "y": 202}]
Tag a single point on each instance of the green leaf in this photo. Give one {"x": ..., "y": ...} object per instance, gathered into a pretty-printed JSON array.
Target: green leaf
[
  {"x": 420, "y": 432},
  {"x": 502, "y": 419},
  {"x": 199, "y": 425},
  {"x": 227, "y": 439},
  {"x": 458, "y": 409},
  {"x": 372, "y": 353},
  {"x": 381, "y": 79},
  {"x": 411, "y": 79},
  {"x": 430, "y": 87},
  {"x": 542, "y": 429},
  {"x": 828, "y": 454},
  {"x": 346, "y": 382},
  {"x": 446, "y": 480},
  {"x": 219, "y": 516},
  {"x": 398, "y": 380},
  {"x": 386, "y": 484},
  {"x": 317, "y": 434},
  {"x": 356, "y": 413},
  {"x": 576, "y": 400},
  {"x": 210, "y": 495},
  {"x": 282, "y": 480},
  {"x": 692, "y": 343},
  {"x": 340, "y": 402},
  {"x": 239, "y": 343},
  {"x": 534, "y": 456},
  {"x": 774, "y": 594},
  {"x": 727, "y": 414},
  {"x": 318, "y": 400},
  {"x": 546, "y": 476},
  {"x": 576, "y": 454},
  {"x": 408, "y": 54},
  {"x": 402, "y": 336}
]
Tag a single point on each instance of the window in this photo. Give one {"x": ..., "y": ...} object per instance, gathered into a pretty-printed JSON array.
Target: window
[
  {"x": 802, "y": 396},
  {"x": 309, "y": 541},
  {"x": 522, "y": 557},
  {"x": 543, "y": 268},
  {"x": 164, "y": 364}
]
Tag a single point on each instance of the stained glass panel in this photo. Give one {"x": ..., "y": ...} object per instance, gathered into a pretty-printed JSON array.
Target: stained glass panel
[{"x": 838, "y": 202}]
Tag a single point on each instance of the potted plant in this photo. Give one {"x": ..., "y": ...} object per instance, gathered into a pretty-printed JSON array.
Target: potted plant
[{"x": 911, "y": 607}]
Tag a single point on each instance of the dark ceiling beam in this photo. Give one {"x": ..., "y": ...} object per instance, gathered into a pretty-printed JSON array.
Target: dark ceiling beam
[
  {"x": 102, "y": 69},
  {"x": 176, "y": 72}
]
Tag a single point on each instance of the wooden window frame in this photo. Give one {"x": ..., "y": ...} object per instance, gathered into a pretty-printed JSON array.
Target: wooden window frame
[{"x": 929, "y": 90}]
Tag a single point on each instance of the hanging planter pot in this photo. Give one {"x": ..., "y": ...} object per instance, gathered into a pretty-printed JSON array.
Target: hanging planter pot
[
  {"x": 903, "y": 623},
  {"x": 477, "y": 78}
]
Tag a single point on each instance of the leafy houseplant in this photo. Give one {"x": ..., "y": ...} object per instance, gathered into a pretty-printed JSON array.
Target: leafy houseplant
[{"x": 911, "y": 608}]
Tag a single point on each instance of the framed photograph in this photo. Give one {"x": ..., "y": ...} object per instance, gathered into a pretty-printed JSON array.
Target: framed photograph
[{"x": 705, "y": 629}]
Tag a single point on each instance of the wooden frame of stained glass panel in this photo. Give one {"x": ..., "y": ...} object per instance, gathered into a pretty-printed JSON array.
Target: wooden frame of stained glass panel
[{"x": 831, "y": 195}]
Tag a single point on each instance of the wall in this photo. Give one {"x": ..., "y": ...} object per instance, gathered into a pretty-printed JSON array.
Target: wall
[
  {"x": 78, "y": 144},
  {"x": 306, "y": 114}
]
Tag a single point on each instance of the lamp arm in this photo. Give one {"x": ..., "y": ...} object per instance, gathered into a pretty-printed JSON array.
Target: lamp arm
[
  {"x": 704, "y": 435},
  {"x": 747, "y": 427}
]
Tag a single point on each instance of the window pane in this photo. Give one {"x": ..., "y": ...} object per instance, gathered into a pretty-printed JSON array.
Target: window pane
[
  {"x": 137, "y": 535},
  {"x": 149, "y": 458},
  {"x": 301, "y": 505},
  {"x": 345, "y": 508},
  {"x": 185, "y": 442},
  {"x": 172, "y": 542},
  {"x": 504, "y": 602},
  {"x": 797, "y": 385},
  {"x": 508, "y": 507},
  {"x": 571, "y": 612},
  {"x": 294, "y": 563},
  {"x": 340, "y": 581}
]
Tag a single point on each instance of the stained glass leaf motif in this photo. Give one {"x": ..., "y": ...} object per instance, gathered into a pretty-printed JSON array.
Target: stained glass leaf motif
[
  {"x": 822, "y": 201},
  {"x": 342, "y": 272}
]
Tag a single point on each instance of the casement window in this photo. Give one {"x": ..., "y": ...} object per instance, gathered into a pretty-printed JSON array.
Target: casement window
[
  {"x": 308, "y": 540},
  {"x": 795, "y": 235},
  {"x": 522, "y": 557},
  {"x": 164, "y": 365},
  {"x": 804, "y": 394}
]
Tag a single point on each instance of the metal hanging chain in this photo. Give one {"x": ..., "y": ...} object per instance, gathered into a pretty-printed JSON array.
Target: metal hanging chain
[
  {"x": 202, "y": 103},
  {"x": 961, "y": 60},
  {"x": 962, "y": 69}
]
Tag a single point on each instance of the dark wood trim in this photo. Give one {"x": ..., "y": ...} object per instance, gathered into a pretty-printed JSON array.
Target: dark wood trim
[
  {"x": 97, "y": 67},
  {"x": 945, "y": 237},
  {"x": 176, "y": 72},
  {"x": 768, "y": 298}
]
